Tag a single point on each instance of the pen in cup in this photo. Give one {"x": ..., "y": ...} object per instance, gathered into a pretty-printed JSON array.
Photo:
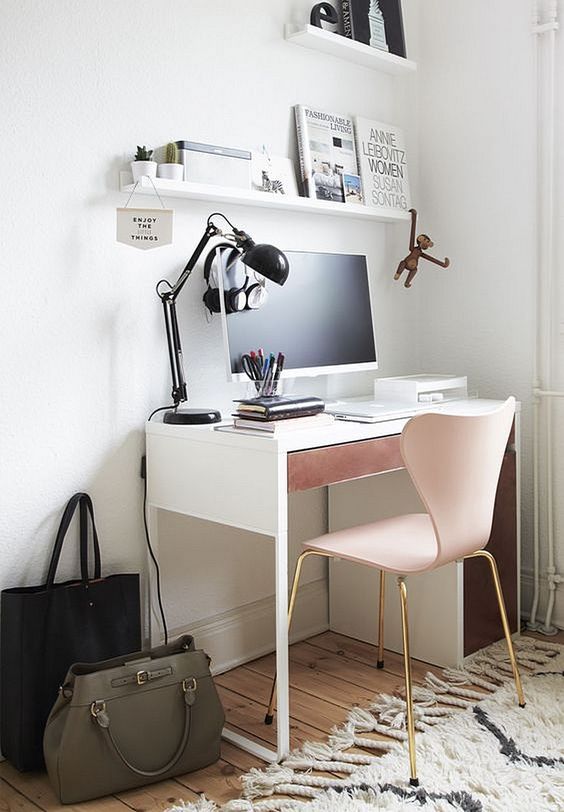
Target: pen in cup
[
  {"x": 267, "y": 381},
  {"x": 279, "y": 368}
]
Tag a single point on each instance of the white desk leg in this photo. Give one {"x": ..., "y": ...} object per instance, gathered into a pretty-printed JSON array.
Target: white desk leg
[{"x": 281, "y": 553}]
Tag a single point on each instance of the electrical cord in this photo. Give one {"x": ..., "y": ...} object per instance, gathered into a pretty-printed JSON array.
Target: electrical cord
[
  {"x": 155, "y": 562},
  {"x": 162, "y": 409},
  {"x": 148, "y": 538}
]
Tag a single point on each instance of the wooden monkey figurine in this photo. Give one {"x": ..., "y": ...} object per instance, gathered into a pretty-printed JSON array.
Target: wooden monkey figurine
[{"x": 417, "y": 248}]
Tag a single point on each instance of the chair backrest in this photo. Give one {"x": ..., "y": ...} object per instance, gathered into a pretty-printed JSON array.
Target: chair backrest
[{"x": 455, "y": 462}]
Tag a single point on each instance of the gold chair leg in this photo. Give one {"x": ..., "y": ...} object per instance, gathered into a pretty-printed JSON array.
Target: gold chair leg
[
  {"x": 380, "y": 661},
  {"x": 269, "y": 717},
  {"x": 504, "y": 621},
  {"x": 413, "y": 780}
]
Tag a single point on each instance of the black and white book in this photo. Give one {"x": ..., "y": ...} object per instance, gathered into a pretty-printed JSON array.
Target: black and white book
[
  {"x": 377, "y": 23},
  {"x": 327, "y": 151},
  {"x": 382, "y": 161}
]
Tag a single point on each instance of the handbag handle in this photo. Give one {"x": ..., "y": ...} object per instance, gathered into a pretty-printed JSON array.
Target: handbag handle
[
  {"x": 83, "y": 500},
  {"x": 98, "y": 711}
]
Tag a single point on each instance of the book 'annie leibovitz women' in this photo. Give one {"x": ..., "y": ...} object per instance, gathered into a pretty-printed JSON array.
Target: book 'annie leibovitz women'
[{"x": 382, "y": 163}]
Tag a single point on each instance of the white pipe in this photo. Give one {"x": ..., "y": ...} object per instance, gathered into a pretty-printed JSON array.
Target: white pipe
[
  {"x": 544, "y": 393},
  {"x": 548, "y": 628},
  {"x": 543, "y": 356},
  {"x": 532, "y": 624}
]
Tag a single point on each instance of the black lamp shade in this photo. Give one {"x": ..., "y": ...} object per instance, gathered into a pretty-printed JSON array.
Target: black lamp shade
[{"x": 268, "y": 261}]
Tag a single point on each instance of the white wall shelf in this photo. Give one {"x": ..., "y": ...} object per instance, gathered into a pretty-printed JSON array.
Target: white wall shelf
[
  {"x": 244, "y": 197},
  {"x": 317, "y": 39}
]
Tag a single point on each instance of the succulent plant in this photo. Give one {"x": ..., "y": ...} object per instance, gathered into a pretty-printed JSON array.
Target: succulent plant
[
  {"x": 172, "y": 153},
  {"x": 143, "y": 154}
]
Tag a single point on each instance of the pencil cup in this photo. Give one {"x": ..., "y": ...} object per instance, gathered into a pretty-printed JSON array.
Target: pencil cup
[{"x": 255, "y": 389}]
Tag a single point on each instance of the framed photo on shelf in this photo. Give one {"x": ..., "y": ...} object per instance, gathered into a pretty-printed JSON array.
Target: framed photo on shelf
[
  {"x": 273, "y": 174},
  {"x": 393, "y": 23},
  {"x": 352, "y": 186},
  {"x": 378, "y": 23}
]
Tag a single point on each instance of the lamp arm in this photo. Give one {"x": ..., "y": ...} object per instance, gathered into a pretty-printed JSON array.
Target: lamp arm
[
  {"x": 210, "y": 232},
  {"x": 168, "y": 299},
  {"x": 179, "y": 392}
]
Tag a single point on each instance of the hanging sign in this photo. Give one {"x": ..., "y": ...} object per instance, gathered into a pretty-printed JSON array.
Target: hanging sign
[{"x": 144, "y": 228}]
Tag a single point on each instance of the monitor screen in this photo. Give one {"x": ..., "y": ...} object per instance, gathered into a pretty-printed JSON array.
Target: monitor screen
[{"x": 321, "y": 319}]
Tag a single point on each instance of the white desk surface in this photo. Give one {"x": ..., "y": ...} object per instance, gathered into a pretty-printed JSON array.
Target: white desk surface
[{"x": 341, "y": 431}]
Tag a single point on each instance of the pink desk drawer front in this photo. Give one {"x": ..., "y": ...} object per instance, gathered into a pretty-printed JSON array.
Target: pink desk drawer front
[{"x": 317, "y": 467}]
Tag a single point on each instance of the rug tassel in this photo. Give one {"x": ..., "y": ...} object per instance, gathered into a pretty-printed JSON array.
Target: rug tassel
[
  {"x": 320, "y": 766},
  {"x": 277, "y": 805},
  {"x": 344, "y": 737},
  {"x": 541, "y": 645},
  {"x": 464, "y": 677},
  {"x": 263, "y": 782},
  {"x": 365, "y": 722},
  {"x": 202, "y": 805},
  {"x": 324, "y": 752},
  {"x": 442, "y": 687}
]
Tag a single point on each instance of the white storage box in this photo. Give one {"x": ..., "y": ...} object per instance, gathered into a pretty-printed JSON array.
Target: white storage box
[
  {"x": 414, "y": 389},
  {"x": 219, "y": 166}
]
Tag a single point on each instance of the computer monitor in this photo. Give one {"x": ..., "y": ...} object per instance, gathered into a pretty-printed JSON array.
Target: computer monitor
[{"x": 321, "y": 319}]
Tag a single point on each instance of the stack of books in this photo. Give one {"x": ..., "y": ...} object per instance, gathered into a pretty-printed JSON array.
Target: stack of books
[{"x": 276, "y": 415}]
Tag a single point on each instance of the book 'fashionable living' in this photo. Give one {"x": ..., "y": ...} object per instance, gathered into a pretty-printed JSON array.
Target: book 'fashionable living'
[
  {"x": 327, "y": 151},
  {"x": 382, "y": 161}
]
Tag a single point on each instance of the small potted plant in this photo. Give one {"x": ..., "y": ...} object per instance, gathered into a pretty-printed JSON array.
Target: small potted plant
[
  {"x": 172, "y": 168},
  {"x": 142, "y": 164}
]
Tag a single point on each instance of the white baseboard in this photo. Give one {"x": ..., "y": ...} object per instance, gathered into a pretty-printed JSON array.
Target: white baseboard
[{"x": 247, "y": 632}]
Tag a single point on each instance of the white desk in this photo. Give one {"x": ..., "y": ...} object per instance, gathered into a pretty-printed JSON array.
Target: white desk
[{"x": 192, "y": 470}]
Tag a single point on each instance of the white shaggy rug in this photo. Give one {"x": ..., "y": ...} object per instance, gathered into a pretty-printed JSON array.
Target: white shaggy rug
[{"x": 474, "y": 754}]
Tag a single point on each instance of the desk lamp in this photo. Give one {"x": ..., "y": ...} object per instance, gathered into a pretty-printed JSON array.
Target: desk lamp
[{"x": 267, "y": 260}]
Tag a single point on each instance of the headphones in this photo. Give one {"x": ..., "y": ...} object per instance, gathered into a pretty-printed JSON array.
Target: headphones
[{"x": 236, "y": 297}]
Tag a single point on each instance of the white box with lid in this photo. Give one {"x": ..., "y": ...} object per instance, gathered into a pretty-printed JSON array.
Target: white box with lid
[
  {"x": 220, "y": 166},
  {"x": 426, "y": 388}
]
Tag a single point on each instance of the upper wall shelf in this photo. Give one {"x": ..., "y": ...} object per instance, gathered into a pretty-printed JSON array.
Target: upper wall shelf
[
  {"x": 244, "y": 197},
  {"x": 317, "y": 39}
]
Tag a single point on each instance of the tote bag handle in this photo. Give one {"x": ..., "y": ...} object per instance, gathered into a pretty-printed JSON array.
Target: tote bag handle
[{"x": 84, "y": 502}]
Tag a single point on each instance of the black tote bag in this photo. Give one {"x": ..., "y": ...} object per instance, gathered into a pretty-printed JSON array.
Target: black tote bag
[{"x": 45, "y": 629}]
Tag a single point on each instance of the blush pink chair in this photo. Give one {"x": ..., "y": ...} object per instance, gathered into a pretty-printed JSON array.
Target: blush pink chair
[{"x": 454, "y": 462}]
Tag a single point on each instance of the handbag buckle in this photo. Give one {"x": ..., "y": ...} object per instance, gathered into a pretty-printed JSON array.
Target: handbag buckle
[
  {"x": 99, "y": 706},
  {"x": 189, "y": 687},
  {"x": 142, "y": 677}
]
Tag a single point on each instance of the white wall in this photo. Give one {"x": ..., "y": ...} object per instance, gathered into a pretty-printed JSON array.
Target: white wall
[
  {"x": 84, "y": 358},
  {"x": 476, "y": 106}
]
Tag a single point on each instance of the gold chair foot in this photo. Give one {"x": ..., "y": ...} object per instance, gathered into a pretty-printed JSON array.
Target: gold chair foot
[
  {"x": 380, "y": 664},
  {"x": 268, "y": 719},
  {"x": 504, "y": 622},
  {"x": 414, "y": 782}
]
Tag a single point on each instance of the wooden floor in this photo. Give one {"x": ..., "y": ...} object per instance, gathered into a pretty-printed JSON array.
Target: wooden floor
[{"x": 329, "y": 675}]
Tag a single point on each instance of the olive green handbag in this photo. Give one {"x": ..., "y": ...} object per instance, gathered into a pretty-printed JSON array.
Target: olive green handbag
[{"x": 132, "y": 720}]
